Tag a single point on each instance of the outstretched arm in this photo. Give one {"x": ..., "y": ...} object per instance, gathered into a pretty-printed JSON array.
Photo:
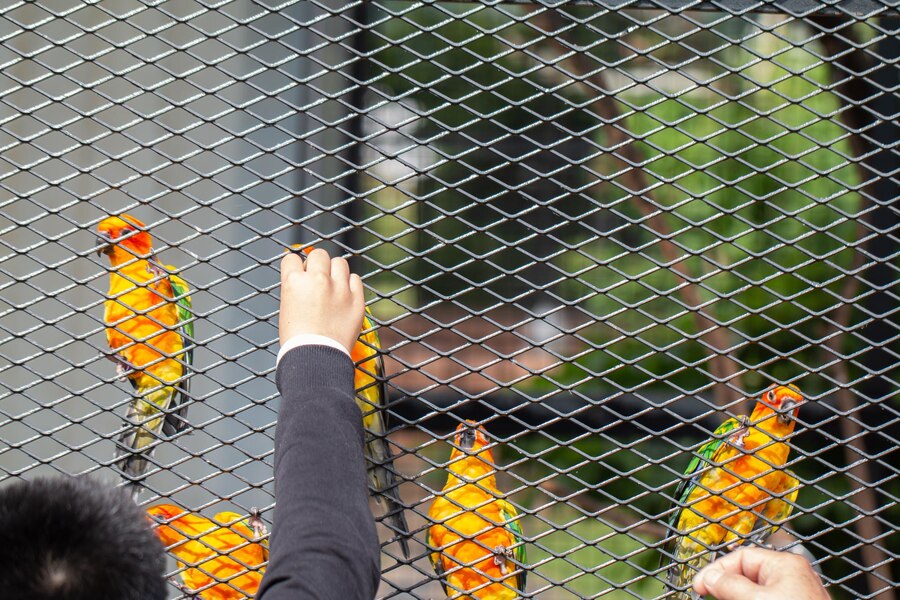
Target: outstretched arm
[{"x": 323, "y": 543}]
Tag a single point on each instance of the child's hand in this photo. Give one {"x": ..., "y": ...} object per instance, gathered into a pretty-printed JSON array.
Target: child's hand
[
  {"x": 758, "y": 574},
  {"x": 320, "y": 296}
]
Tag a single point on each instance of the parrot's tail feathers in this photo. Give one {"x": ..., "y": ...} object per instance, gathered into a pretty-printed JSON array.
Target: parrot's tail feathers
[
  {"x": 396, "y": 521},
  {"x": 681, "y": 574},
  {"x": 133, "y": 469},
  {"x": 137, "y": 442},
  {"x": 687, "y": 594},
  {"x": 404, "y": 545},
  {"x": 176, "y": 420},
  {"x": 178, "y": 401},
  {"x": 135, "y": 490},
  {"x": 132, "y": 464},
  {"x": 384, "y": 484}
]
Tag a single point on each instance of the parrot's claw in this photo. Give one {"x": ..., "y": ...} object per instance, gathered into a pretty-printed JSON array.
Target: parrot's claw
[
  {"x": 155, "y": 269},
  {"x": 738, "y": 439},
  {"x": 502, "y": 555},
  {"x": 256, "y": 523},
  {"x": 185, "y": 590},
  {"x": 123, "y": 367}
]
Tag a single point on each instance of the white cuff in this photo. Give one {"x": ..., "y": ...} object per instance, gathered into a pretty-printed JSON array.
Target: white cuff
[{"x": 309, "y": 339}]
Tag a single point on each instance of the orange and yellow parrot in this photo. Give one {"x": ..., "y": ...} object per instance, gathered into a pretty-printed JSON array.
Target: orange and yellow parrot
[
  {"x": 478, "y": 549},
  {"x": 371, "y": 394},
  {"x": 222, "y": 559},
  {"x": 149, "y": 328},
  {"x": 735, "y": 491}
]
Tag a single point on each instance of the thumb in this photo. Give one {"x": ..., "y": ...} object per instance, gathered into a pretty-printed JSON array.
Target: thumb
[{"x": 726, "y": 586}]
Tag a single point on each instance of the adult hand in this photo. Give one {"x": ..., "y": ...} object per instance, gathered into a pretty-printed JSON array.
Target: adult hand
[
  {"x": 758, "y": 574},
  {"x": 320, "y": 296}
]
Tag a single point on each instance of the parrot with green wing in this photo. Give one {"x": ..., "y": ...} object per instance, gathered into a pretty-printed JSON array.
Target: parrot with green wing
[
  {"x": 476, "y": 539},
  {"x": 370, "y": 397},
  {"x": 371, "y": 394},
  {"x": 150, "y": 330},
  {"x": 736, "y": 490}
]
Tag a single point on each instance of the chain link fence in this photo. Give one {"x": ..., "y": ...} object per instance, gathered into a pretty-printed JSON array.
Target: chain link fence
[{"x": 597, "y": 228}]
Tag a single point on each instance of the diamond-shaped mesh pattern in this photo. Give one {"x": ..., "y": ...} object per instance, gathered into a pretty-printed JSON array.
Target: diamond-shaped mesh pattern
[{"x": 596, "y": 228}]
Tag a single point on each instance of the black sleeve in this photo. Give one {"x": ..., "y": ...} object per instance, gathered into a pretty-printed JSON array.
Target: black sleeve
[{"x": 323, "y": 542}]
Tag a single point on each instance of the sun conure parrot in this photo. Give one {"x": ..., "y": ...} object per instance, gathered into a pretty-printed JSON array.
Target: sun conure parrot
[
  {"x": 149, "y": 328},
  {"x": 371, "y": 394},
  {"x": 222, "y": 559},
  {"x": 735, "y": 491},
  {"x": 478, "y": 549}
]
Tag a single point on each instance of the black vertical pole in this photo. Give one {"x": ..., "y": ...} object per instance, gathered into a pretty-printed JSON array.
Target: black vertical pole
[
  {"x": 884, "y": 163},
  {"x": 353, "y": 212},
  {"x": 868, "y": 87},
  {"x": 880, "y": 389}
]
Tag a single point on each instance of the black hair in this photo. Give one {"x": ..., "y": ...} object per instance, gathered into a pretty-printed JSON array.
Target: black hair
[{"x": 76, "y": 539}]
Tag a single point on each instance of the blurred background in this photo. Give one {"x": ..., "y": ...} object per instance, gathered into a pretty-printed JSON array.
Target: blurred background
[{"x": 598, "y": 228}]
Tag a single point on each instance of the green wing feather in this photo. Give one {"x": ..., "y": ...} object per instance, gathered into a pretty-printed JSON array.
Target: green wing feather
[
  {"x": 176, "y": 421},
  {"x": 514, "y": 526},
  {"x": 185, "y": 315}
]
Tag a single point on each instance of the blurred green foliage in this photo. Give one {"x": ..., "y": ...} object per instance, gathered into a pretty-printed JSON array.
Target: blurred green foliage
[
  {"x": 513, "y": 183},
  {"x": 521, "y": 189}
]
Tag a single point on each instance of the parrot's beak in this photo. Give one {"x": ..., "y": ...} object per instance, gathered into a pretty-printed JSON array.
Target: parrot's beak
[
  {"x": 467, "y": 439},
  {"x": 786, "y": 412},
  {"x": 104, "y": 245}
]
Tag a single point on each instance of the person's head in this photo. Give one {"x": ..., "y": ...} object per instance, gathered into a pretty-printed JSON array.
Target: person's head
[{"x": 76, "y": 539}]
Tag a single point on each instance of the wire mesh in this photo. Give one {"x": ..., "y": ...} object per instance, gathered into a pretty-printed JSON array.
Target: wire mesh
[{"x": 598, "y": 229}]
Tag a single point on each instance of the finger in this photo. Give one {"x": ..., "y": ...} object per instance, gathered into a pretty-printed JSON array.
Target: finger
[
  {"x": 358, "y": 297},
  {"x": 318, "y": 261},
  {"x": 747, "y": 561},
  {"x": 290, "y": 263},
  {"x": 357, "y": 292},
  {"x": 358, "y": 300},
  {"x": 340, "y": 271},
  {"x": 725, "y": 586}
]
